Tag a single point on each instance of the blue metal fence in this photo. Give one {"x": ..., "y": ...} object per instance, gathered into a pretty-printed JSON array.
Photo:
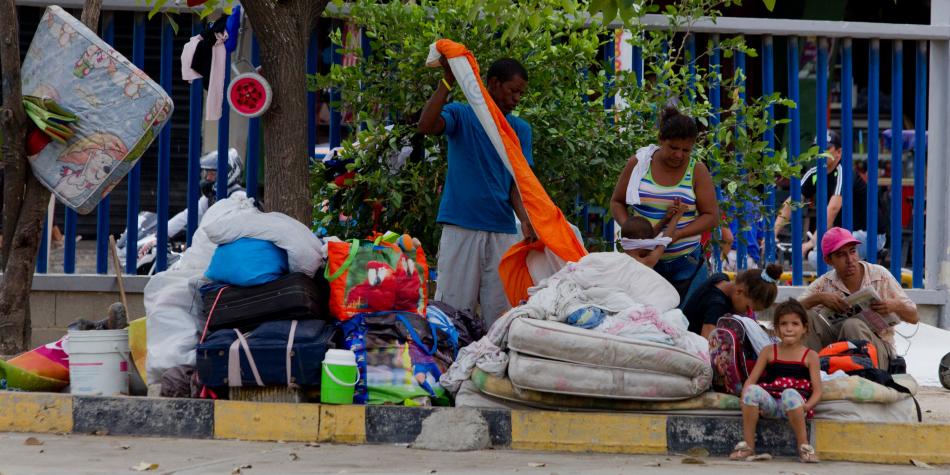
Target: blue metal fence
[
  {"x": 920, "y": 164},
  {"x": 102, "y": 212},
  {"x": 768, "y": 88},
  {"x": 134, "y": 180},
  {"x": 874, "y": 78},
  {"x": 793, "y": 151},
  {"x": 769, "y": 67}
]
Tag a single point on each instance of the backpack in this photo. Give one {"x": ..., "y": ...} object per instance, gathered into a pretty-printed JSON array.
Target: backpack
[
  {"x": 850, "y": 356},
  {"x": 470, "y": 327},
  {"x": 859, "y": 358},
  {"x": 731, "y": 355}
]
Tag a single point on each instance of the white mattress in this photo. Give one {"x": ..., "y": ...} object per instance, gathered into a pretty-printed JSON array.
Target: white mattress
[
  {"x": 120, "y": 109},
  {"x": 578, "y": 379},
  {"x": 903, "y": 410},
  {"x": 563, "y": 342}
]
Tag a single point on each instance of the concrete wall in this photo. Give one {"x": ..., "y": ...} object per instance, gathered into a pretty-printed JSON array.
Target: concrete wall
[
  {"x": 52, "y": 312},
  {"x": 58, "y": 300}
]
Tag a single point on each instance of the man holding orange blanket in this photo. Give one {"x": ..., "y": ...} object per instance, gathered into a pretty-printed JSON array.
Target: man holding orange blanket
[{"x": 479, "y": 199}]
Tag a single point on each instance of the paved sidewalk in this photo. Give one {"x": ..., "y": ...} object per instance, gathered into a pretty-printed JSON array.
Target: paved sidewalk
[{"x": 82, "y": 454}]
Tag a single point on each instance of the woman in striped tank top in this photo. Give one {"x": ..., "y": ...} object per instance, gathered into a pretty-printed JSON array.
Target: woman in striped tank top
[{"x": 653, "y": 180}]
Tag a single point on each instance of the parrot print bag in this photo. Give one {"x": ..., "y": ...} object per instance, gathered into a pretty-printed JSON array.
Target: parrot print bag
[{"x": 386, "y": 274}]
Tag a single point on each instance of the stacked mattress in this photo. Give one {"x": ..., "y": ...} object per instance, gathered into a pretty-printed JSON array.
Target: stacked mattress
[{"x": 557, "y": 358}]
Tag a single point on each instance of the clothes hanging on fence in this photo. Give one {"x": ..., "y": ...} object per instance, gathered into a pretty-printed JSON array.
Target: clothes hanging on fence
[{"x": 205, "y": 56}]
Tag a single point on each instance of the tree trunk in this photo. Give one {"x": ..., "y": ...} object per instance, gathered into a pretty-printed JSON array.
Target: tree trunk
[
  {"x": 283, "y": 30},
  {"x": 25, "y": 199}
]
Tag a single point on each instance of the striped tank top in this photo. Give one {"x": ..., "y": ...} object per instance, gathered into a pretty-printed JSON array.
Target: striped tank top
[{"x": 655, "y": 199}]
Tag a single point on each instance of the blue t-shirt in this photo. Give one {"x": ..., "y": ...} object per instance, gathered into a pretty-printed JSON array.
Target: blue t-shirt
[{"x": 477, "y": 192}]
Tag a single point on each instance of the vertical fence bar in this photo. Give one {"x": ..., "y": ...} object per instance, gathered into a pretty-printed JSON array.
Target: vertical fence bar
[
  {"x": 768, "y": 87},
  {"x": 313, "y": 53},
  {"x": 224, "y": 143},
  {"x": 134, "y": 180},
  {"x": 102, "y": 211},
  {"x": 691, "y": 66},
  {"x": 794, "y": 147},
  {"x": 609, "y": 98},
  {"x": 42, "y": 258},
  {"x": 254, "y": 135},
  {"x": 847, "y": 137},
  {"x": 897, "y": 155},
  {"x": 874, "y": 72},
  {"x": 195, "y": 112},
  {"x": 607, "y": 232},
  {"x": 715, "y": 67},
  {"x": 164, "y": 152},
  {"x": 740, "y": 209},
  {"x": 69, "y": 247},
  {"x": 638, "y": 64},
  {"x": 102, "y": 236},
  {"x": 821, "y": 190},
  {"x": 336, "y": 119},
  {"x": 920, "y": 163}
]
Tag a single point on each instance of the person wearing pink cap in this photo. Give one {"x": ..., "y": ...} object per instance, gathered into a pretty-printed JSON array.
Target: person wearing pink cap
[{"x": 850, "y": 274}]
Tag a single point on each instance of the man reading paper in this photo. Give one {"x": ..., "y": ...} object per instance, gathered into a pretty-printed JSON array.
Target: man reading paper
[{"x": 849, "y": 275}]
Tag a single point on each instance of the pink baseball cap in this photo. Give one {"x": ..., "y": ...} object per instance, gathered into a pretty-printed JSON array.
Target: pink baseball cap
[{"x": 836, "y": 238}]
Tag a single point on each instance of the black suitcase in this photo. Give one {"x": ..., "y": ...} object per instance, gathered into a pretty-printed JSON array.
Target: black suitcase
[
  {"x": 292, "y": 297},
  {"x": 268, "y": 347}
]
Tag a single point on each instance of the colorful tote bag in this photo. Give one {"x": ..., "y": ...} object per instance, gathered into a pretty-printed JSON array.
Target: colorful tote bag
[
  {"x": 120, "y": 109},
  {"x": 376, "y": 276}
]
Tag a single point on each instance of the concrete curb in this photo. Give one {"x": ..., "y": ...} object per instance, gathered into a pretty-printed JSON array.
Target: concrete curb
[{"x": 517, "y": 429}]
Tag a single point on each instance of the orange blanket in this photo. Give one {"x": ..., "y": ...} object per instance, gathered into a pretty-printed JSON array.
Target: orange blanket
[{"x": 552, "y": 229}]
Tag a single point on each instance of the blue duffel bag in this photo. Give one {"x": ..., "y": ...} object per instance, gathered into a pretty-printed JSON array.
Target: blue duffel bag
[{"x": 261, "y": 357}]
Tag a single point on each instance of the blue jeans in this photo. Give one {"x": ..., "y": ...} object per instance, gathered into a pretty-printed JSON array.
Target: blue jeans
[
  {"x": 686, "y": 273},
  {"x": 860, "y": 235}
]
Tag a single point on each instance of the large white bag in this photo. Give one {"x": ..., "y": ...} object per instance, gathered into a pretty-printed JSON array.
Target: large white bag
[{"x": 172, "y": 301}]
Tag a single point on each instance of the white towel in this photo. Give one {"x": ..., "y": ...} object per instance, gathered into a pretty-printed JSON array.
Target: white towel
[
  {"x": 634, "y": 244},
  {"x": 644, "y": 157}
]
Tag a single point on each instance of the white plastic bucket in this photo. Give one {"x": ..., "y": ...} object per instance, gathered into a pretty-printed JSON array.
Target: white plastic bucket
[{"x": 98, "y": 362}]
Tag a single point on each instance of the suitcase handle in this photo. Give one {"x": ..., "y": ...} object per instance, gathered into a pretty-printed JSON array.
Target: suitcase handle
[
  {"x": 354, "y": 250},
  {"x": 337, "y": 381}
]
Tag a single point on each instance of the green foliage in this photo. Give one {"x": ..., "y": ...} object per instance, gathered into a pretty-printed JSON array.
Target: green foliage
[
  {"x": 579, "y": 148},
  {"x": 629, "y": 10},
  {"x": 170, "y": 9}
]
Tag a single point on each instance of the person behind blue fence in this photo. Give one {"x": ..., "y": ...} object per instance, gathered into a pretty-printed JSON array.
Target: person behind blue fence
[
  {"x": 835, "y": 189},
  {"x": 653, "y": 180},
  {"x": 785, "y": 383},
  {"x": 848, "y": 275},
  {"x": 479, "y": 199},
  {"x": 208, "y": 186}
]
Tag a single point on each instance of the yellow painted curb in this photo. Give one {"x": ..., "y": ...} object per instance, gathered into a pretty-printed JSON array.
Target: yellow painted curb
[
  {"x": 266, "y": 421},
  {"x": 882, "y": 443},
  {"x": 36, "y": 412},
  {"x": 343, "y": 424},
  {"x": 577, "y": 432}
]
